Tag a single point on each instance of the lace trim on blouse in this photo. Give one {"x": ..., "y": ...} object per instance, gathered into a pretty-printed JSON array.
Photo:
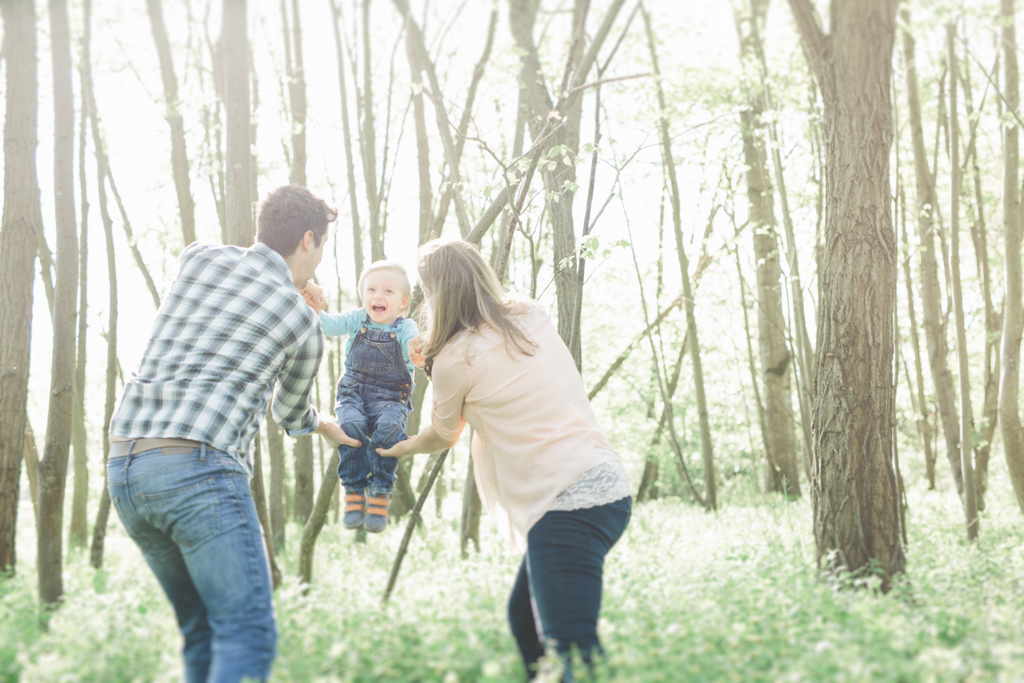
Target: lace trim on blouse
[{"x": 604, "y": 481}]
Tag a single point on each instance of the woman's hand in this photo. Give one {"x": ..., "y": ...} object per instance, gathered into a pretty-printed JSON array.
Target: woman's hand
[
  {"x": 427, "y": 441},
  {"x": 403, "y": 450}
]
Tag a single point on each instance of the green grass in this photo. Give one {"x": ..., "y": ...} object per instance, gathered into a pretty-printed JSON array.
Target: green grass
[{"x": 688, "y": 597}]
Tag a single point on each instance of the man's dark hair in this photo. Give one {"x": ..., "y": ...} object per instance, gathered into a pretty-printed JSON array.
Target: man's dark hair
[{"x": 287, "y": 213}]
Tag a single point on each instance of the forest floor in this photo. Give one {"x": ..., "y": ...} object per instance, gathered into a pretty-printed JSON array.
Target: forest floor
[{"x": 689, "y": 596}]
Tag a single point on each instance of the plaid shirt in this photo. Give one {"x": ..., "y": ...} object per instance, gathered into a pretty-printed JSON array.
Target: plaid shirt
[{"x": 231, "y": 327}]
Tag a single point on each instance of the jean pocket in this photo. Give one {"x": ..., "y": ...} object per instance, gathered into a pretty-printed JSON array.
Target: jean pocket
[{"x": 189, "y": 514}]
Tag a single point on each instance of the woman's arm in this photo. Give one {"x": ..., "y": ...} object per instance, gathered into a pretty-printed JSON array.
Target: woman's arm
[{"x": 427, "y": 441}]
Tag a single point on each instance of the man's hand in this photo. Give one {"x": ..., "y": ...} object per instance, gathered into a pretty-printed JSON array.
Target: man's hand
[
  {"x": 416, "y": 345},
  {"x": 333, "y": 434},
  {"x": 314, "y": 296}
]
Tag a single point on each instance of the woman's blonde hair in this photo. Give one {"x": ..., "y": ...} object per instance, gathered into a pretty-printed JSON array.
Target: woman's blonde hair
[
  {"x": 464, "y": 293},
  {"x": 395, "y": 267}
]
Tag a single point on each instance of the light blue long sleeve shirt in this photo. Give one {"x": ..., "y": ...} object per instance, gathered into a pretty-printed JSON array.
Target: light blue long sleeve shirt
[{"x": 350, "y": 322}]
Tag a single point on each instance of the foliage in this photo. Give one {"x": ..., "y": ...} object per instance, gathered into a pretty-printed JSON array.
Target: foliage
[{"x": 688, "y": 597}]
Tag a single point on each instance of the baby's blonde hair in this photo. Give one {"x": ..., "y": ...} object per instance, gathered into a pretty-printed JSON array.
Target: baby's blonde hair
[{"x": 395, "y": 267}]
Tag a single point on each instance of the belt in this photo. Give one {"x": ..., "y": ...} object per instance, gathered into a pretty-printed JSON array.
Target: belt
[{"x": 119, "y": 449}]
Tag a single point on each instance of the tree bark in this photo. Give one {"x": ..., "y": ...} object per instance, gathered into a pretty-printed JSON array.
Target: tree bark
[
  {"x": 303, "y": 478},
  {"x": 18, "y": 248},
  {"x": 179, "y": 154},
  {"x": 357, "y": 233},
  {"x": 782, "y": 471},
  {"x": 1009, "y": 417},
  {"x": 311, "y": 529},
  {"x": 854, "y": 490},
  {"x": 295, "y": 72},
  {"x": 368, "y": 144},
  {"x": 99, "y": 530},
  {"x": 924, "y": 429},
  {"x": 54, "y": 464},
  {"x": 469, "y": 526},
  {"x": 78, "y": 530},
  {"x": 966, "y": 417},
  {"x": 275, "y": 447},
  {"x": 238, "y": 187},
  {"x": 669, "y": 168},
  {"x": 990, "y": 404},
  {"x": 932, "y": 318}
]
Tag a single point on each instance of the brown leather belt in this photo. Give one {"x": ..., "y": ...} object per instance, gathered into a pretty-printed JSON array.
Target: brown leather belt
[{"x": 119, "y": 449}]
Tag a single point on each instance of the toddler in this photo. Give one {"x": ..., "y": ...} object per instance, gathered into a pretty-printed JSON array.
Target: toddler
[{"x": 374, "y": 395}]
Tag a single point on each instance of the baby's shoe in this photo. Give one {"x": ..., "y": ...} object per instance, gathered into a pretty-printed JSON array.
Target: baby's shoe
[
  {"x": 377, "y": 511},
  {"x": 355, "y": 510}
]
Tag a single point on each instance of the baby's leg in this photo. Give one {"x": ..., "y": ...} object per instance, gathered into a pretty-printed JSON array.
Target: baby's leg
[
  {"x": 354, "y": 463},
  {"x": 389, "y": 420}
]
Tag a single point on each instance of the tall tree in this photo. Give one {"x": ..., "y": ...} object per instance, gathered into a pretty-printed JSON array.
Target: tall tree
[
  {"x": 854, "y": 492},
  {"x": 932, "y": 317},
  {"x": 1009, "y": 417},
  {"x": 18, "y": 247},
  {"x": 990, "y": 403},
  {"x": 558, "y": 178},
  {"x": 99, "y": 529},
  {"x": 78, "y": 530},
  {"x": 238, "y": 185},
  {"x": 179, "y": 154},
  {"x": 357, "y": 232},
  {"x": 782, "y": 471},
  {"x": 54, "y": 464},
  {"x": 966, "y": 418},
  {"x": 295, "y": 71},
  {"x": 238, "y": 188},
  {"x": 669, "y": 168}
]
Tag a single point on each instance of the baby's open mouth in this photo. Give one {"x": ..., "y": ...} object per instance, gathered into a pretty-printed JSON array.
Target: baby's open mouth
[{"x": 379, "y": 309}]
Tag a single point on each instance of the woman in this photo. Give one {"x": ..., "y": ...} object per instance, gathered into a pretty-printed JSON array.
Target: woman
[{"x": 544, "y": 468}]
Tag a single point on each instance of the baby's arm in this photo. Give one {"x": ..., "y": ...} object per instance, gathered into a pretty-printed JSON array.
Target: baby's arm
[
  {"x": 314, "y": 296},
  {"x": 412, "y": 342},
  {"x": 340, "y": 324}
]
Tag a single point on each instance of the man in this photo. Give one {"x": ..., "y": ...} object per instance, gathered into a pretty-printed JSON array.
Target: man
[{"x": 232, "y": 329}]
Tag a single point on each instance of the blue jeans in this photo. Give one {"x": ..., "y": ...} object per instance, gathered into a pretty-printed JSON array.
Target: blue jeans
[
  {"x": 194, "y": 519},
  {"x": 377, "y": 417},
  {"x": 561, "y": 574}
]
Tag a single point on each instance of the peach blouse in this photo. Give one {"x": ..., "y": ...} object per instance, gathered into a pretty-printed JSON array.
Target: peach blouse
[{"x": 534, "y": 431}]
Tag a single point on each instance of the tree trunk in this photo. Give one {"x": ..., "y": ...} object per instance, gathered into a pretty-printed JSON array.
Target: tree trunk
[
  {"x": 469, "y": 527},
  {"x": 934, "y": 325},
  {"x": 179, "y": 155},
  {"x": 669, "y": 168},
  {"x": 238, "y": 187},
  {"x": 78, "y": 530},
  {"x": 260, "y": 498},
  {"x": 31, "y": 458},
  {"x": 924, "y": 429},
  {"x": 303, "y": 478},
  {"x": 296, "y": 90},
  {"x": 357, "y": 234},
  {"x": 54, "y": 464},
  {"x": 275, "y": 447},
  {"x": 990, "y": 405},
  {"x": 18, "y": 248},
  {"x": 99, "y": 530},
  {"x": 1009, "y": 418},
  {"x": 311, "y": 529},
  {"x": 854, "y": 491},
  {"x": 966, "y": 418},
  {"x": 368, "y": 144},
  {"x": 781, "y": 466}
]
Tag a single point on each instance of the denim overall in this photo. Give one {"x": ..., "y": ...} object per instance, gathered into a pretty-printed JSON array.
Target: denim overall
[{"x": 373, "y": 405}]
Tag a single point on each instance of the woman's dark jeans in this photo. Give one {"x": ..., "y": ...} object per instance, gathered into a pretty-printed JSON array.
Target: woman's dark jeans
[{"x": 560, "y": 577}]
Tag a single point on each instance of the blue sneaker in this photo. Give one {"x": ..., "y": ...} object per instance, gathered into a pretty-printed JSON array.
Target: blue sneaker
[
  {"x": 377, "y": 512},
  {"x": 355, "y": 510}
]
